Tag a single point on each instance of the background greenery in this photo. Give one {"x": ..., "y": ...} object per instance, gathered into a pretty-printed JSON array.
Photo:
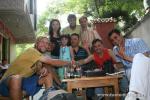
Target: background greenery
[{"x": 127, "y": 13}]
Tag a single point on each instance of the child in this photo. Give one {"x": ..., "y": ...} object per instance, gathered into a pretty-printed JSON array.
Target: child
[{"x": 66, "y": 53}]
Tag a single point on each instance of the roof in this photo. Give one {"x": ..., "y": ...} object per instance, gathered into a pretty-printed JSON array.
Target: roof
[
  {"x": 103, "y": 20},
  {"x": 128, "y": 32}
]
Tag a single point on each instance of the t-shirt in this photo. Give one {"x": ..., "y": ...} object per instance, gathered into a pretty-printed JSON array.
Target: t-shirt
[
  {"x": 24, "y": 64},
  {"x": 80, "y": 54},
  {"x": 101, "y": 60},
  {"x": 55, "y": 51},
  {"x": 69, "y": 31}
]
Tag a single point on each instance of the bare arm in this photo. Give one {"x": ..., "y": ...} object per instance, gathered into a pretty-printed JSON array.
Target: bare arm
[
  {"x": 112, "y": 55},
  {"x": 117, "y": 65},
  {"x": 87, "y": 60},
  {"x": 71, "y": 52},
  {"x": 54, "y": 62}
]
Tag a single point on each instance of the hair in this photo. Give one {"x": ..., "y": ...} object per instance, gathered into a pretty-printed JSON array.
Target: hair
[
  {"x": 82, "y": 17},
  {"x": 75, "y": 34},
  {"x": 96, "y": 40},
  {"x": 114, "y": 31},
  {"x": 38, "y": 39},
  {"x": 71, "y": 16},
  {"x": 51, "y": 29},
  {"x": 67, "y": 37}
]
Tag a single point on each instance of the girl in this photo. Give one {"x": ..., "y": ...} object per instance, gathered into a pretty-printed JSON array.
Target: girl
[{"x": 66, "y": 53}]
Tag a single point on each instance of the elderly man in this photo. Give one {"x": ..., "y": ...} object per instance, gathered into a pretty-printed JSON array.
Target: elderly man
[
  {"x": 87, "y": 34},
  {"x": 24, "y": 73},
  {"x": 72, "y": 28}
]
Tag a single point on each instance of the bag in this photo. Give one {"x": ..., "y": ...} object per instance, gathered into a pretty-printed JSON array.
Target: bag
[{"x": 65, "y": 96}]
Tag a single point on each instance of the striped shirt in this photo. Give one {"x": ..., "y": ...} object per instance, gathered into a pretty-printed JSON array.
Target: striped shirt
[{"x": 132, "y": 47}]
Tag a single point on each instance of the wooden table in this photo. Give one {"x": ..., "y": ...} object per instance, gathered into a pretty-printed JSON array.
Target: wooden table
[{"x": 86, "y": 82}]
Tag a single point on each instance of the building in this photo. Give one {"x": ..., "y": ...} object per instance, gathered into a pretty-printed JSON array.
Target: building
[
  {"x": 103, "y": 27},
  {"x": 17, "y": 25}
]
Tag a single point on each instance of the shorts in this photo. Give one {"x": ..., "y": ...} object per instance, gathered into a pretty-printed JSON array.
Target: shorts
[{"x": 29, "y": 85}]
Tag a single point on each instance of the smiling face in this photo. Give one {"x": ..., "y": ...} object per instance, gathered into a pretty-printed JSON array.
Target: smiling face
[
  {"x": 116, "y": 39},
  {"x": 42, "y": 44},
  {"x": 55, "y": 25},
  {"x": 64, "y": 41},
  {"x": 83, "y": 22},
  {"x": 74, "y": 41},
  {"x": 72, "y": 22},
  {"x": 98, "y": 47}
]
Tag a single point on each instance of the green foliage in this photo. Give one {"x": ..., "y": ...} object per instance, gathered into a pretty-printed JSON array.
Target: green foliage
[
  {"x": 22, "y": 47},
  {"x": 123, "y": 10}
]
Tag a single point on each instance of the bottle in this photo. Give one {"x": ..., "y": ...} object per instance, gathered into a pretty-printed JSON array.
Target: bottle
[{"x": 78, "y": 70}]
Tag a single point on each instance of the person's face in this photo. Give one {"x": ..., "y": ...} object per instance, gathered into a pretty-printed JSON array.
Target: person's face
[
  {"x": 42, "y": 45},
  {"x": 50, "y": 47},
  {"x": 98, "y": 47},
  {"x": 74, "y": 41},
  {"x": 116, "y": 39},
  {"x": 64, "y": 41},
  {"x": 83, "y": 22},
  {"x": 72, "y": 22},
  {"x": 55, "y": 25}
]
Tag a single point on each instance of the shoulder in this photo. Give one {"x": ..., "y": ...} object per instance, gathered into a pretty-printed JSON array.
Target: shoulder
[
  {"x": 134, "y": 40},
  {"x": 65, "y": 29}
]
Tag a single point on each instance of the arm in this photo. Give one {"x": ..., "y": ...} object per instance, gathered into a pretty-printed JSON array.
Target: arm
[
  {"x": 117, "y": 65},
  {"x": 54, "y": 62},
  {"x": 112, "y": 55},
  {"x": 123, "y": 55},
  {"x": 71, "y": 52},
  {"x": 96, "y": 35},
  {"x": 87, "y": 60}
]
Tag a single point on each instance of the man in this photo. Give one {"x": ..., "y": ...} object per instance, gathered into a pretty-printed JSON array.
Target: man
[
  {"x": 125, "y": 49},
  {"x": 140, "y": 78},
  {"x": 72, "y": 28},
  {"x": 23, "y": 71},
  {"x": 80, "y": 54},
  {"x": 87, "y": 34}
]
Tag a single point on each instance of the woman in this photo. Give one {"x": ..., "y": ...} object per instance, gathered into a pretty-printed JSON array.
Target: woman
[{"x": 54, "y": 34}]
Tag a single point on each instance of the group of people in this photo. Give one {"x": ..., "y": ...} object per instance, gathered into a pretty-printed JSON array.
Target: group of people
[{"x": 74, "y": 45}]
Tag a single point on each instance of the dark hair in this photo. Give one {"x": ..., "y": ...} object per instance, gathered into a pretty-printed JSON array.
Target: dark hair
[
  {"x": 64, "y": 36},
  {"x": 114, "y": 31},
  {"x": 96, "y": 40},
  {"x": 71, "y": 16},
  {"x": 51, "y": 29},
  {"x": 75, "y": 34},
  {"x": 67, "y": 37}
]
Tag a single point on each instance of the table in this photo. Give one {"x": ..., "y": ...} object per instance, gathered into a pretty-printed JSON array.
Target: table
[{"x": 86, "y": 82}]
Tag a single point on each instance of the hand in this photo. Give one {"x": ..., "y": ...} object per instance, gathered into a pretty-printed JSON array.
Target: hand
[
  {"x": 85, "y": 45},
  {"x": 121, "y": 52},
  {"x": 43, "y": 72}
]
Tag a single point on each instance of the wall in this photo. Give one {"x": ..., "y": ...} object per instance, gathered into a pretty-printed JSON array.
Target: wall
[
  {"x": 142, "y": 30},
  {"x": 12, "y": 51},
  {"x": 103, "y": 29}
]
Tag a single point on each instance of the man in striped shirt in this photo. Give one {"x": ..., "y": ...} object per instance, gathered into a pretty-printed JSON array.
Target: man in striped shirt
[{"x": 125, "y": 49}]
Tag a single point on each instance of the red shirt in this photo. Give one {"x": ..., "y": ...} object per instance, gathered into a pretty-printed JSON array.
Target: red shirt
[{"x": 101, "y": 60}]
